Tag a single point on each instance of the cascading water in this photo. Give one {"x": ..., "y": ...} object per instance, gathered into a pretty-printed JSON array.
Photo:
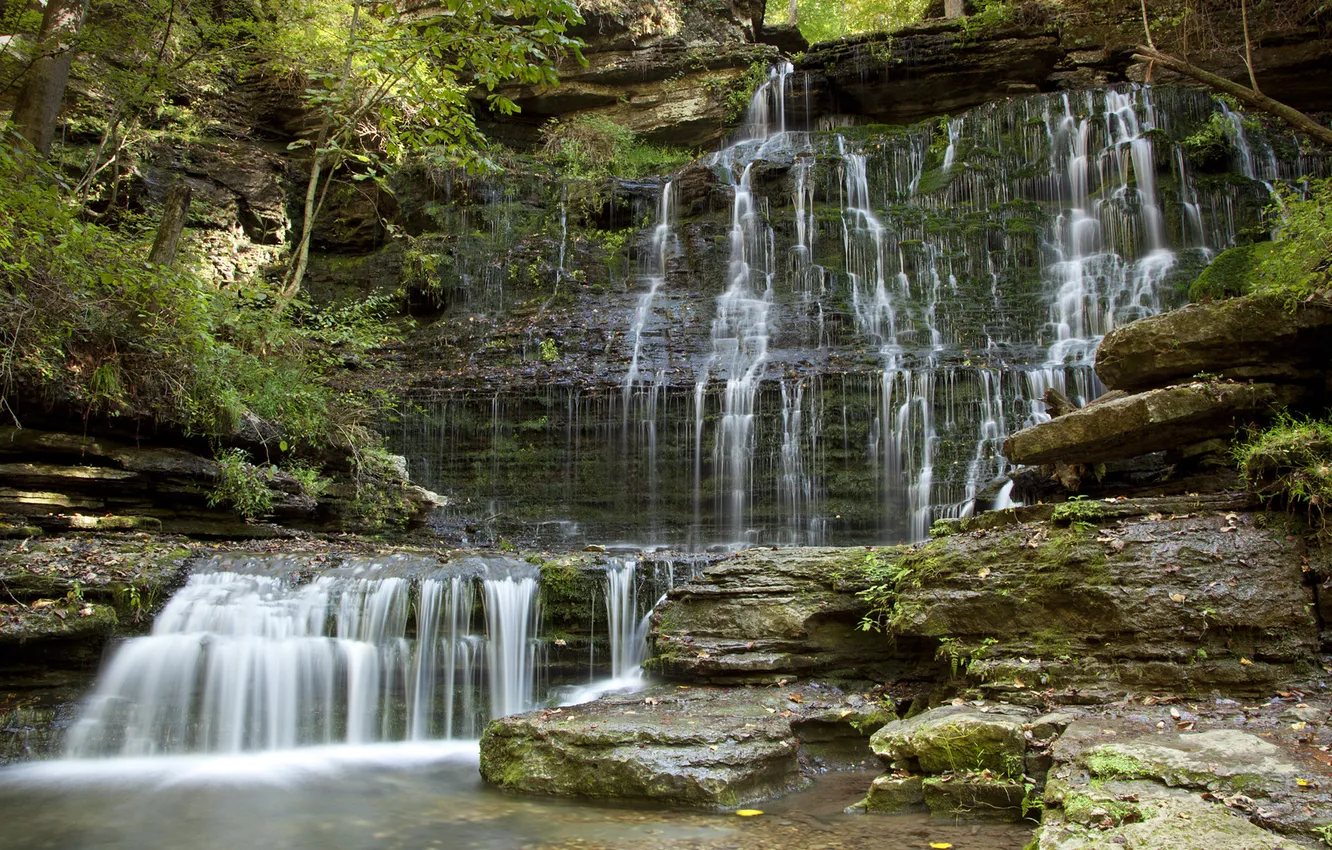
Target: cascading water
[
  {"x": 249, "y": 657},
  {"x": 879, "y": 310}
]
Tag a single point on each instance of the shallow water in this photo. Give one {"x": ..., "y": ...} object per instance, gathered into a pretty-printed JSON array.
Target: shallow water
[{"x": 408, "y": 796}]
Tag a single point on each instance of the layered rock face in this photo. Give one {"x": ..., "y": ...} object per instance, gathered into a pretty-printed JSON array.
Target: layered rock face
[
  {"x": 54, "y": 481},
  {"x": 765, "y": 614}
]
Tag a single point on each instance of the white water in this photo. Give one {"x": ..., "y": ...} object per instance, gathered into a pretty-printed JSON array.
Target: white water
[{"x": 243, "y": 663}]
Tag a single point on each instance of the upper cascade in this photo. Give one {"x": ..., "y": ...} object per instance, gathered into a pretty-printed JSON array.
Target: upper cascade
[{"x": 838, "y": 358}]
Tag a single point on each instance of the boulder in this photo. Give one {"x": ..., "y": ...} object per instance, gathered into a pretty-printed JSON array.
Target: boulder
[
  {"x": 696, "y": 747},
  {"x": 1152, "y": 421},
  {"x": 953, "y": 739},
  {"x": 894, "y": 795},
  {"x": 1250, "y": 338},
  {"x": 1114, "y": 784}
]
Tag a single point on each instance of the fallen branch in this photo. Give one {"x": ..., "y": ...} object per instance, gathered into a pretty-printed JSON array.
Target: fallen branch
[{"x": 1295, "y": 118}]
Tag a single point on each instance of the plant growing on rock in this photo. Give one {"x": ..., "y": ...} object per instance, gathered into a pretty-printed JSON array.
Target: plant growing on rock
[
  {"x": 1291, "y": 463},
  {"x": 242, "y": 485}
]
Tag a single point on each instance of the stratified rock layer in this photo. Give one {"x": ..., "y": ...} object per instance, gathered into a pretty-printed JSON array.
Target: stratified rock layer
[
  {"x": 1252, "y": 338},
  {"x": 1151, "y": 421},
  {"x": 1185, "y": 600},
  {"x": 768, "y": 613}
]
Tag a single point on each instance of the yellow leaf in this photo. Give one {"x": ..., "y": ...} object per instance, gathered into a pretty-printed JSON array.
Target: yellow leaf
[
  {"x": 984, "y": 571},
  {"x": 1246, "y": 662},
  {"x": 748, "y": 813},
  {"x": 940, "y": 845},
  {"x": 1177, "y": 597},
  {"x": 1303, "y": 783}
]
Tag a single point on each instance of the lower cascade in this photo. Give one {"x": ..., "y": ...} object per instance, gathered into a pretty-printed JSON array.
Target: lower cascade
[{"x": 251, "y": 655}]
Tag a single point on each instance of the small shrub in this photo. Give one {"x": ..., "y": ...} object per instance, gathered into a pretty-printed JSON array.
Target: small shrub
[
  {"x": 1300, "y": 265},
  {"x": 593, "y": 147},
  {"x": 242, "y": 485}
]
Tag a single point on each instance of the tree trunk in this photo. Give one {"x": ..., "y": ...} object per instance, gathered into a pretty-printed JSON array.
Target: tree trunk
[
  {"x": 301, "y": 250},
  {"x": 1295, "y": 118},
  {"x": 38, "y": 102},
  {"x": 953, "y": 8},
  {"x": 174, "y": 213}
]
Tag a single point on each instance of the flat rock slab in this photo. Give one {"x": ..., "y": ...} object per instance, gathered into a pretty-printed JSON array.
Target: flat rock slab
[
  {"x": 1253, "y": 337},
  {"x": 1152, "y": 421},
  {"x": 703, "y": 747}
]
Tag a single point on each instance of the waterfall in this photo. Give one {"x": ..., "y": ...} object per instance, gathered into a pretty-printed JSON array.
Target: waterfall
[
  {"x": 239, "y": 662},
  {"x": 627, "y": 627},
  {"x": 512, "y": 615},
  {"x": 882, "y": 308}
]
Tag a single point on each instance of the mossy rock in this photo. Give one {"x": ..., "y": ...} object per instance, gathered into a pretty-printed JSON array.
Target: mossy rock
[
  {"x": 952, "y": 739},
  {"x": 1232, "y": 273},
  {"x": 890, "y": 794}
]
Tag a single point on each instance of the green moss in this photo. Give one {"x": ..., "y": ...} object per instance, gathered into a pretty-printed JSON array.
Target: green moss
[
  {"x": 1232, "y": 273},
  {"x": 1107, "y": 763}
]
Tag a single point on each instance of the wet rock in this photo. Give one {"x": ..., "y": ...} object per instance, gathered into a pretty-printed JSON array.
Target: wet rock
[
  {"x": 1148, "y": 422},
  {"x": 974, "y": 797},
  {"x": 1251, "y": 338},
  {"x": 698, "y": 747},
  {"x": 956, "y": 738},
  {"x": 925, "y": 70}
]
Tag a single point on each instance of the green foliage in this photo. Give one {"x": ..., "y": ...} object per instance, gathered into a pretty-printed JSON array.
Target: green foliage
[
  {"x": 1209, "y": 147},
  {"x": 593, "y": 147},
  {"x": 883, "y": 577},
  {"x": 85, "y": 320},
  {"x": 313, "y": 484},
  {"x": 390, "y": 80},
  {"x": 824, "y": 20},
  {"x": 549, "y": 352},
  {"x": 1232, "y": 273},
  {"x": 242, "y": 485},
  {"x": 739, "y": 92},
  {"x": 380, "y": 478},
  {"x": 1290, "y": 462},
  {"x": 1299, "y": 267},
  {"x": 961, "y": 657}
]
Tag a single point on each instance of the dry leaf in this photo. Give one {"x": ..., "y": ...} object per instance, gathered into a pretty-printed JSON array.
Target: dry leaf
[
  {"x": 1246, "y": 662},
  {"x": 1177, "y": 597}
]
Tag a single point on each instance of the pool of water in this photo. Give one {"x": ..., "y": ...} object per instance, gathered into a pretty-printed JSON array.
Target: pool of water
[{"x": 408, "y": 796}]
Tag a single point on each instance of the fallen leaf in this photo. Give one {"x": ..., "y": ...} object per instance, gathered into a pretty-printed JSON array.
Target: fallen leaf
[
  {"x": 940, "y": 845},
  {"x": 1246, "y": 662},
  {"x": 1174, "y": 712},
  {"x": 1177, "y": 597},
  {"x": 796, "y": 698},
  {"x": 748, "y": 813},
  {"x": 983, "y": 572}
]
